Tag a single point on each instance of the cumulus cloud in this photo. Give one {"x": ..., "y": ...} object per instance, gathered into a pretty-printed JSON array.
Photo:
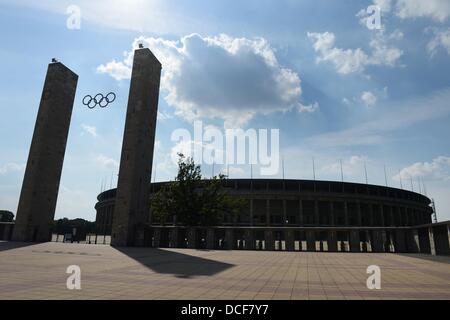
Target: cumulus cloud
[
  {"x": 107, "y": 162},
  {"x": 437, "y": 169},
  {"x": 91, "y": 130},
  {"x": 438, "y": 10},
  {"x": 218, "y": 77},
  {"x": 347, "y": 61},
  {"x": 440, "y": 39},
  {"x": 368, "y": 98},
  {"x": 352, "y": 166},
  {"x": 308, "y": 108},
  {"x": 11, "y": 167}
]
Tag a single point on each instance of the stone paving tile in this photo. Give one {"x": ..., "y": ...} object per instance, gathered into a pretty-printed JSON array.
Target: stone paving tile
[{"x": 38, "y": 271}]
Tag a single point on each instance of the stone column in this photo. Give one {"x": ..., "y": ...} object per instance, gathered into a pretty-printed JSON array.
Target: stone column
[
  {"x": 354, "y": 241},
  {"x": 156, "y": 237},
  {"x": 358, "y": 213},
  {"x": 346, "y": 213},
  {"x": 132, "y": 204},
  {"x": 383, "y": 223},
  {"x": 268, "y": 212},
  {"x": 174, "y": 238},
  {"x": 400, "y": 245},
  {"x": 316, "y": 213},
  {"x": 269, "y": 240},
  {"x": 377, "y": 241},
  {"x": 310, "y": 240},
  {"x": 210, "y": 239},
  {"x": 284, "y": 212},
  {"x": 431, "y": 237},
  {"x": 40, "y": 186},
  {"x": 332, "y": 241},
  {"x": 300, "y": 208},
  {"x": 371, "y": 217},
  {"x": 249, "y": 239},
  {"x": 229, "y": 239},
  {"x": 368, "y": 242},
  {"x": 290, "y": 240},
  {"x": 191, "y": 236},
  {"x": 251, "y": 212},
  {"x": 412, "y": 238},
  {"x": 332, "y": 219}
]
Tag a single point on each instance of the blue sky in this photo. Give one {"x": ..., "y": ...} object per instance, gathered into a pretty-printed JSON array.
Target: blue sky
[{"x": 337, "y": 89}]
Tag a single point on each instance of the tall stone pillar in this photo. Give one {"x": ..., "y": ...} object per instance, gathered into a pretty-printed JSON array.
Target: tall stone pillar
[
  {"x": 210, "y": 239},
  {"x": 37, "y": 203},
  {"x": 346, "y": 213},
  {"x": 431, "y": 237},
  {"x": 269, "y": 240},
  {"x": 412, "y": 241},
  {"x": 358, "y": 213},
  {"x": 332, "y": 218},
  {"x": 354, "y": 241},
  {"x": 316, "y": 213},
  {"x": 132, "y": 205},
  {"x": 175, "y": 237},
  {"x": 300, "y": 209},
  {"x": 290, "y": 240},
  {"x": 229, "y": 239},
  {"x": 332, "y": 241},
  {"x": 249, "y": 239},
  {"x": 192, "y": 237},
  {"x": 310, "y": 240},
  {"x": 156, "y": 237},
  {"x": 368, "y": 242},
  {"x": 377, "y": 241},
  {"x": 400, "y": 245}
]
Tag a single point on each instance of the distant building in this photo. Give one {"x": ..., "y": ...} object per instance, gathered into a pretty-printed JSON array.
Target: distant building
[{"x": 304, "y": 215}]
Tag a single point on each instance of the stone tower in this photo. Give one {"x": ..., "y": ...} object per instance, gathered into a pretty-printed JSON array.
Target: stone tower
[
  {"x": 132, "y": 200},
  {"x": 40, "y": 186}
]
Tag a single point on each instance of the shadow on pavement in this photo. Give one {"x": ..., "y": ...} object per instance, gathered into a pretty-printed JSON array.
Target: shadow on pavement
[
  {"x": 10, "y": 245},
  {"x": 441, "y": 259},
  {"x": 176, "y": 263}
]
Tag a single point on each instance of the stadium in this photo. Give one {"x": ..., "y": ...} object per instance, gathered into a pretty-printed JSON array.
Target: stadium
[{"x": 303, "y": 215}]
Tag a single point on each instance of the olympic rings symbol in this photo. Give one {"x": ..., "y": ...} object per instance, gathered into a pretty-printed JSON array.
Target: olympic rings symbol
[{"x": 99, "y": 100}]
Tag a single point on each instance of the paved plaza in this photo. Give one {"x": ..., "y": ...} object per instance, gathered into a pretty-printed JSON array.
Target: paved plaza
[{"x": 38, "y": 271}]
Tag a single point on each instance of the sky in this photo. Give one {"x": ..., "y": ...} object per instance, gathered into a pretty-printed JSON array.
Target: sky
[{"x": 339, "y": 88}]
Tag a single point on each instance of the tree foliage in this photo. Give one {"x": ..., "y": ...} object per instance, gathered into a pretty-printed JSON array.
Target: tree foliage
[{"x": 193, "y": 200}]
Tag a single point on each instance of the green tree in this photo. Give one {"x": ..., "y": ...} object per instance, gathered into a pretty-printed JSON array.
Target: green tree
[{"x": 193, "y": 200}]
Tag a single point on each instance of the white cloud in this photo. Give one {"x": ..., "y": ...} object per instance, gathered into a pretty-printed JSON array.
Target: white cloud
[
  {"x": 438, "y": 10},
  {"x": 11, "y": 167},
  {"x": 440, "y": 39},
  {"x": 218, "y": 77},
  {"x": 91, "y": 130},
  {"x": 107, "y": 162},
  {"x": 368, "y": 98},
  {"x": 348, "y": 61},
  {"x": 437, "y": 169},
  {"x": 394, "y": 117},
  {"x": 350, "y": 167},
  {"x": 308, "y": 108},
  {"x": 115, "y": 69},
  {"x": 156, "y": 16}
]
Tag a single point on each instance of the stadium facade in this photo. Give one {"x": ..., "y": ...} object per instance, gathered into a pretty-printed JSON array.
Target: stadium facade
[{"x": 304, "y": 215}]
